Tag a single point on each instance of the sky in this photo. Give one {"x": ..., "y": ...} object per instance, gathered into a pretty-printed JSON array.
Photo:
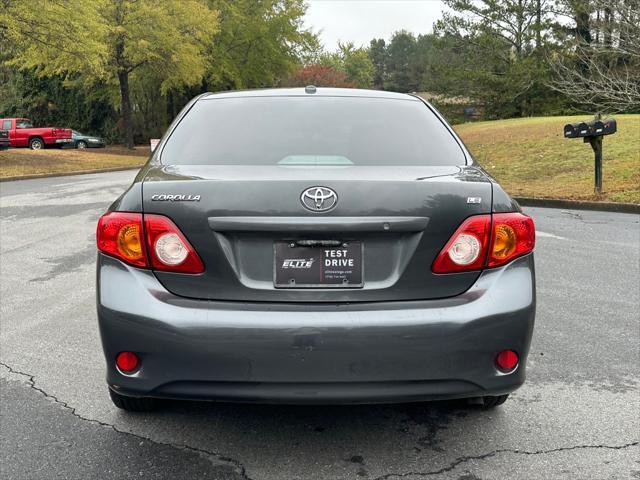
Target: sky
[{"x": 359, "y": 21}]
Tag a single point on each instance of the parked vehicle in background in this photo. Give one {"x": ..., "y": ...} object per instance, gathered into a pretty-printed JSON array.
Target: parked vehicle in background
[
  {"x": 80, "y": 140},
  {"x": 4, "y": 139},
  {"x": 22, "y": 133}
]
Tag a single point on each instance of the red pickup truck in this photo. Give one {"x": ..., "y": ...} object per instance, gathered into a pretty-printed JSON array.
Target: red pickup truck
[{"x": 23, "y": 134}]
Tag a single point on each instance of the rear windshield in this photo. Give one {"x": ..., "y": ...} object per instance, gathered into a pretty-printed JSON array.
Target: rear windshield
[{"x": 311, "y": 131}]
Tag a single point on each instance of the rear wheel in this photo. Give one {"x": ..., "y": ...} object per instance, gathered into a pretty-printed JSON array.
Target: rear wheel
[
  {"x": 81, "y": 144},
  {"x": 133, "y": 404},
  {"x": 36, "y": 143}
]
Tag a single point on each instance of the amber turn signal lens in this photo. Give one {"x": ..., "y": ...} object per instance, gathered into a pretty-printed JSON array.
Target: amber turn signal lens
[
  {"x": 504, "y": 243},
  {"x": 129, "y": 242},
  {"x": 119, "y": 234}
]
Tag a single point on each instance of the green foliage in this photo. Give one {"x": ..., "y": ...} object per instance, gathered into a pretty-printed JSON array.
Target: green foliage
[
  {"x": 486, "y": 54},
  {"x": 378, "y": 55},
  {"x": 80, "y": 39},
  {"x": 400, "y": 62},
  {"x": 258, "y": 43},
  {"x": 91, "y": 63},
  {"x": 354, "y": 63},
  {"x": 113, "y": 42}
]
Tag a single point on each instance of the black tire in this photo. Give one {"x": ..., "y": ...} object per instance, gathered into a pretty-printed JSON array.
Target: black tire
[
  {"x": 81, "y": 144},
  {"x": 36, "y": 143},
  {"x": 492, "y": 402},
  {"x": 133, "y": 404}
]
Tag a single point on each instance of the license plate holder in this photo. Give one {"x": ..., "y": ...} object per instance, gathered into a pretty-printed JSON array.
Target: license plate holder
[{"x": 304, "y": 266}]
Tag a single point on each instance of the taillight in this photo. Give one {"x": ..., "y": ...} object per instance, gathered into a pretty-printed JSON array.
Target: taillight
[
  {"x": 169, "y": 250},
  {"x": 120, "y": 235},
  {"x": 514, "y": 234},
  {"x": 150, "y": 241},
  {"x": 467, "y": 248},
  {"x": 486, "y": 241}
]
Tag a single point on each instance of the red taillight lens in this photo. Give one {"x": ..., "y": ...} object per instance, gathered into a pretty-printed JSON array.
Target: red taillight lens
[
  {"x": 467, "y": 248},
  {"x": 168, "y": 248},
  {"x": 514, "y": 234},
  {"x": 120, "y": 235},
  {"x": 486, "y": 241},
  {"x": 132, "y": 237},
  {"x": 127, "y": 362}
]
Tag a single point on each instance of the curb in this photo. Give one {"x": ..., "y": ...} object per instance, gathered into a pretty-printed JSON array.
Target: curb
[
  {"x": 67, "y": 174},
  {"x": 579, "y": 205}
]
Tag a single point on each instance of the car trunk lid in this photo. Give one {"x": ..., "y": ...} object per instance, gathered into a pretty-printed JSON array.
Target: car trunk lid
[{"x": 237, "y": 217}]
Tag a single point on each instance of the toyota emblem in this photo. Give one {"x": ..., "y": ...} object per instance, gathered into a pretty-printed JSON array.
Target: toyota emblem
[{"x": 319, "y": 199}]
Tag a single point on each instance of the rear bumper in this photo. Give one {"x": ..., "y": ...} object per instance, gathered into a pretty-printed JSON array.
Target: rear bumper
[
  {"x": 303, "y": 353},
  {"x": 62, "y": 141}
]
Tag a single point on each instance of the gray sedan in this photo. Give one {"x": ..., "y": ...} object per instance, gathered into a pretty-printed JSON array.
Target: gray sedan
[{"x": 314, "y": 245}]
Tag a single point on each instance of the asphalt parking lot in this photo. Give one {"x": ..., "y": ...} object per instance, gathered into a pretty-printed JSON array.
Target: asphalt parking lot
[{"x": 578, "y": 415}]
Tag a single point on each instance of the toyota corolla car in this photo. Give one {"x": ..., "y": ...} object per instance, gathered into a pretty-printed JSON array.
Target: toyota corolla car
[{"x": 314, "y": 245}]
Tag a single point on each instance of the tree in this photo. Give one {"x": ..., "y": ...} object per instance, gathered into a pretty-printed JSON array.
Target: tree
[
  {"x": 378, "y": 55},
  {"x": 399, "y": 55},
  {"x": 517, "y": 22},
  {"x": 354, "y": 62},
  {"x": 500, "y": 47},
  {"x": 320, "y": 76},
  {"x": 601, "y": 67},
  {"x": 258, "y": 43},
  {"x": 112, "y": 42}
]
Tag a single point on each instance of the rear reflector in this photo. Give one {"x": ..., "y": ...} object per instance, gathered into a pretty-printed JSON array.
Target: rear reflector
[
  {"x": 486, "y": 241},
  {"x": 507, "y": 360},
  {"x": 127, "y": 362}
]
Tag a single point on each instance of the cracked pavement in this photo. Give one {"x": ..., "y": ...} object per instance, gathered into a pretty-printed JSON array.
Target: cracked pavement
[{"x": 578, "y": 415}]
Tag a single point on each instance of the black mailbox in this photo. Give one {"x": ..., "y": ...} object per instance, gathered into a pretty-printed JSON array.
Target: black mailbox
[
  {"x": 571, "y": 130},
  {"x": 592, "y": 133},
  {"x": 595, "y": 128},
  {"x": 604, "y": 127}
]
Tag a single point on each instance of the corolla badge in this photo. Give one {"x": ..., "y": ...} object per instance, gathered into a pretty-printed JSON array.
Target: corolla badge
[
  {"x": 319, "y": 199},
  {"x": 175, "y": 198}
]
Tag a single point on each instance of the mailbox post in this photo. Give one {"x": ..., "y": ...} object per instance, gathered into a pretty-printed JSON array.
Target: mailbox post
[{"x": 592, "y": 133}]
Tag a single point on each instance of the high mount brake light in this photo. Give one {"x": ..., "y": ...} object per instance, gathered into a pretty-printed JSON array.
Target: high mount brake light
[
  {"x": 486, "y": 241},
  {"x": 148, "y": 241}
]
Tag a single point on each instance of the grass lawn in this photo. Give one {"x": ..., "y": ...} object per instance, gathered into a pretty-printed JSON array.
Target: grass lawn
[
  {"x": 22, "y": 161},
  {"x": 531, "y": 158}
]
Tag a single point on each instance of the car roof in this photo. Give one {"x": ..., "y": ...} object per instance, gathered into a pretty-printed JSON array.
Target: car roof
[{"x": 309, "y": 91}]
